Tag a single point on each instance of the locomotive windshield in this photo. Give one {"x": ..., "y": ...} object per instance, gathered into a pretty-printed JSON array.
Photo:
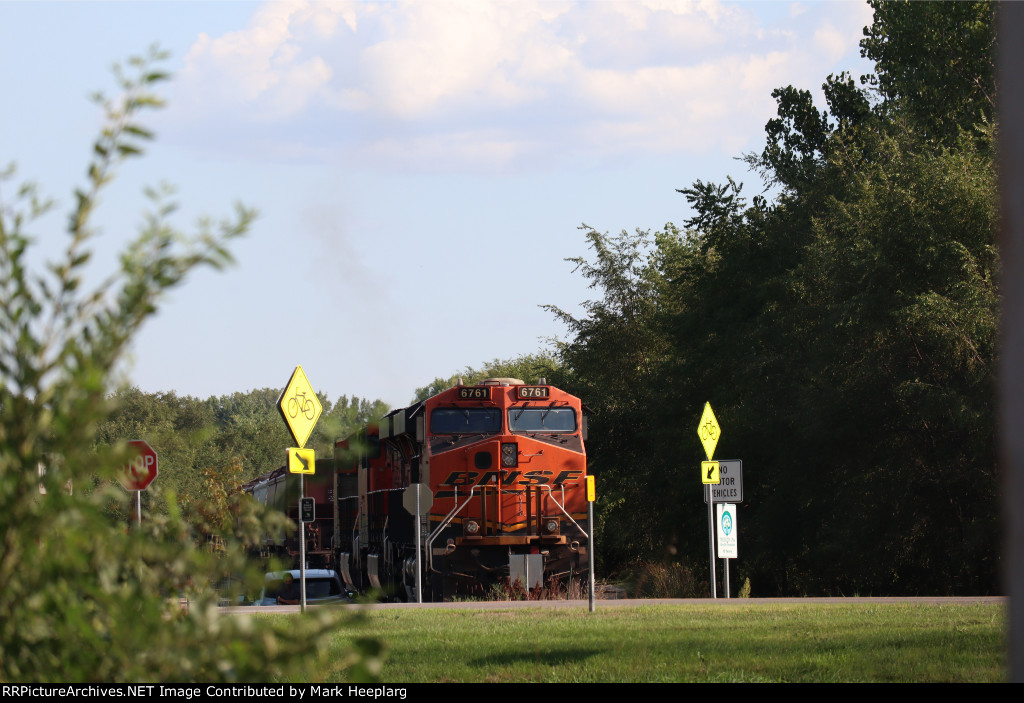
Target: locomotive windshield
[
  {"x": 465, "y": 421},
  {"x": 542, "y": 420}
]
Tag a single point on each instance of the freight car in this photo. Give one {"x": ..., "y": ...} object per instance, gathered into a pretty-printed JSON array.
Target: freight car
[
  {"x": 279, "y": 489},
  {"x": 505, "y": 465}
]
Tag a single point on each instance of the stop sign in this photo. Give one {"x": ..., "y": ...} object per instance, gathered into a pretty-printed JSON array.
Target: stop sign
[
  {"x": 140, "y": 471},
  {"x": 409, "y": 497}
]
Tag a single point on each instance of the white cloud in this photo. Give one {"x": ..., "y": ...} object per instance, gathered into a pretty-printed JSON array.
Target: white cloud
[
  {"x": 478, "y": 84},
  {"x": 262, "y": 66},
  {"x": 830, "y": 42},
  {"x": 449, "y": 150}
]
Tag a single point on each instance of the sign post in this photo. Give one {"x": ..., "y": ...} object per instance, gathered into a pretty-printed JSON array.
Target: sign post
[
  {"x": 728, "y": 491},
  {"x": 709, "y": 432},
  {"x": 139, "y": 472},
  {"x": 416, "y": 498},
  {"x": 590, "y": 530},
  {"x": 726, "y": 525},
  {"x": 300, "y": 409}
]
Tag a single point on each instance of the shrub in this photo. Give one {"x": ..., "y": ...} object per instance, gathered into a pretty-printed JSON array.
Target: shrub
[
  {"x": 82, "y": 596},
  {"x": 667, "y": 580}
]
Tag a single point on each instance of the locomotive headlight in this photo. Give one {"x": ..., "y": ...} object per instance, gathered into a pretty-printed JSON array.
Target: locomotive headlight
[
  {"x": 471, "y": 527},
  {"x": 509, "y": 455},
  {"x": 551, "y": 527}
]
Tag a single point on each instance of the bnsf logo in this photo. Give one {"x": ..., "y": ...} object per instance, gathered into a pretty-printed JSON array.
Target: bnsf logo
[{"x": 528, "y": 478}]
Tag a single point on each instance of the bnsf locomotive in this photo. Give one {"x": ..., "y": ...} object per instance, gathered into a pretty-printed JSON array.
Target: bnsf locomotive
[{"x": 505, "y": 466}]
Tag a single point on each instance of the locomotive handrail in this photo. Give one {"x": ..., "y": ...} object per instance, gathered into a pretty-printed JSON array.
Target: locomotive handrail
[
  {"x": 384, "y": 490},
  {"x": 443, "y": 524},
  {"x": 561, "y": 506},
  {"x": 458, "y": 508},
  {"x": 355, "y": 532}
]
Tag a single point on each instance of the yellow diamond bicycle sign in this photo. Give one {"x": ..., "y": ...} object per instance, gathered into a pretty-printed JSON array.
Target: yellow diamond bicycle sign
[
  {"x": 709, "y": 431},
  {"x": 299, "y": 406}
]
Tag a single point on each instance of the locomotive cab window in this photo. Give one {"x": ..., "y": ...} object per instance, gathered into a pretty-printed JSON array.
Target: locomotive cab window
[
  {"x": 542, "y": 420},
  {"x": 465, "y": 421}
]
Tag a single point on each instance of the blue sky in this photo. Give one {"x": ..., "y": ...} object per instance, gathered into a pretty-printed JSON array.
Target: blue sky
[{"x": 421, "y": 168}]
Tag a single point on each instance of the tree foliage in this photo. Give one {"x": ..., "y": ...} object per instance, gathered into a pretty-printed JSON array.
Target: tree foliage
[
  {"x": 210, "y": 447},
  {"x": 843, "y": 332},
  {"x": 81, "y": 597},
  {"x": 935, "y": 62},
  {"x": 528, "y": 367},
  {"x": 617, "y": 349}
]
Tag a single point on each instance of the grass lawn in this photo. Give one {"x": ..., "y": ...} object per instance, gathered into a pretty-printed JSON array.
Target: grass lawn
[{"x": 678, "y": 643}]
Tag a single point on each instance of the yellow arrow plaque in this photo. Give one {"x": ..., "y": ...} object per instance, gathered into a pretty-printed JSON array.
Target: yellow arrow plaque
[
  {"x": 301, "y": 461},
  {"x": 709, "y": 472}
]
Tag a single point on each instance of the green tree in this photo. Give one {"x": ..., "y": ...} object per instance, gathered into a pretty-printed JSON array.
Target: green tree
[
  {"x": 901, "y": 281},
  {"x": 248, "y": 428},
  {"x": 615, "y": 361},
  {"x": 870, "y": 326},
  {"x": 528, "y": 367},
  {"x": 844, "y": 332},
  {"x": 345, "y": 417},
  {"x": 208, "y": 448},
  {"x": 81, "y": 598},
  {"x": 180, "y": 430},
  {"x": 935, "y": 62}
]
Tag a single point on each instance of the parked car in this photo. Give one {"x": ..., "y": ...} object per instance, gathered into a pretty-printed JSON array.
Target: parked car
[{"x": 322, "y": 587}]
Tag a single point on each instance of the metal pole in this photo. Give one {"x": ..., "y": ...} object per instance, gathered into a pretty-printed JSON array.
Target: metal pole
[
  {"x": 590, "y": 555},
  {"x": 138, "y": 508},
  {"x": 711, "y": 539},
  {"x": 725, "y": 560},
  {"x": 419, "y": 565},
  {"x": 302, "y": 544}
]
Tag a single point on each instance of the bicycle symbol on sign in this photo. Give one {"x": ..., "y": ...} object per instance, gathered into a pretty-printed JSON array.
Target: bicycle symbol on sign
[
  {"x": 305, "y": 406},
  {"x": 708, "y": 431}
]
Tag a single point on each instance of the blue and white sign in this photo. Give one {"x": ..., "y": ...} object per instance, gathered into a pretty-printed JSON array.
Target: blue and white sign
[{"x": 726, "y": 528}]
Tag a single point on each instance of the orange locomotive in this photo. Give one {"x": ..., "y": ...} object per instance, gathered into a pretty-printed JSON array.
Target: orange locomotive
[{"x": 505, "y": 466}]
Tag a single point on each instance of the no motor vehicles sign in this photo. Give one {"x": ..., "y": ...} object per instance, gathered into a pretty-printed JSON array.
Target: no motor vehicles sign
[{"x": 729, "y": 488}]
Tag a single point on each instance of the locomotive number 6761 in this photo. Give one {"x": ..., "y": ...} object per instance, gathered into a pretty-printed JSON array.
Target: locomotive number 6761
[{"x": 506, "y": 467}]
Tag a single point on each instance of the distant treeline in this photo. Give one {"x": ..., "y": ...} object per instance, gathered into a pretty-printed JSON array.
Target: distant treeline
[{"x": 223, "y": 440}]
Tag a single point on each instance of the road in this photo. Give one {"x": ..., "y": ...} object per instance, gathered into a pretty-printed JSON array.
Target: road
[{"x": 635, "y": 602}]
